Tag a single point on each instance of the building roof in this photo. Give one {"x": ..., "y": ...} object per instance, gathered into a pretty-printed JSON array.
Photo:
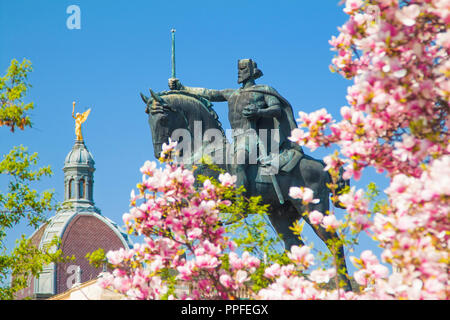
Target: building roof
[
  {"x": 79, "y": 226},
  {"x": 79, "y": 155}
]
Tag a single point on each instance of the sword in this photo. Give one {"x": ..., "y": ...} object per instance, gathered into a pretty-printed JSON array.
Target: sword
[
  {"x": 173, "y": 54},
  {"x": 262, "y": 147}
]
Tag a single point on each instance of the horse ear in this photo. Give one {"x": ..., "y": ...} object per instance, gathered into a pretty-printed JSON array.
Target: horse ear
[
  {"x": 146, "y": 101},
  {"x": 156, "y": 96},
  {"x": 144, "y": 98}
]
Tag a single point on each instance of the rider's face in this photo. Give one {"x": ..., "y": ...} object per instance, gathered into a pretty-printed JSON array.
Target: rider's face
[{"x": 244, "y": 71}]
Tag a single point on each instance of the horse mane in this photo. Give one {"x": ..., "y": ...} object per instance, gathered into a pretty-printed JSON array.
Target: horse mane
[{"x": 207, "y": 105}]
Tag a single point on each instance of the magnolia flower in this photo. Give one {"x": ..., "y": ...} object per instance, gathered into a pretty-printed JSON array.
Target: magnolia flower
[
  {"x": 227, "y": 180},
  {"x": 352, "y": 5},
  {"x": 250, "y": 261},
  {"x": 226, "y": 280},
  {"x": 167, "y": 148},
  {"x": 185, "y": 271},
  {"x": 272, "y": 271},
  {"x": 241, "y": 276},
  {"x": 126, "y": 217},
  {"x": 361, "y": 277},
  {"x": 194, "y": 234},
  {"x": 303, "y": 193},
  {"x": 315, "y": 217},
  {"x": 106, "y": 280},
  {"x": 116, "y": 256},
  {"x": 298, "y": 136},
  {"x": 235, "y": 261},
  {"x": 148, "y": 168},
  {"x": 330, "y": 222},
  {"x": 206, "y": 261},
  {"x": 368, "y": 257},
  {"x": 408, "y": 14},
  {"x": 301, "y": 255},
  {"x": 322, "y": 276}
]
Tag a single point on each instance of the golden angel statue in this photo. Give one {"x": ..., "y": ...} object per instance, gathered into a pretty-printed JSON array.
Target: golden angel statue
[{"x": 79, "y": 119}]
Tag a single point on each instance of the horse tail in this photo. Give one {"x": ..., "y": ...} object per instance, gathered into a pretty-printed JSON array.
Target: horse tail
[{"x": 342, "y": 184}]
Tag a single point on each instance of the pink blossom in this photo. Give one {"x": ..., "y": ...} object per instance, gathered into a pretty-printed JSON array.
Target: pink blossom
[
  {"x": 115, "y": 257},
  {"x": 106, "y": 280},
  {"x": 346, "y": 113},
  {"x": 185, "y": 271},
  {"x": 352, "y": 5},
  {"x": 315, "y": 217},
  {"x": 368, "y": 257},
  {"x": 362, "y": 277},
  {"x": 148, "y": 168},
  {"x": 206, "y": 261},
  {"x": 301, "y": 255},
  {"x": 241, "y": 276},
  {"x": 287, "y": 270},
  {"x": 194, "y": 234},
  {"x": 443, "y": 39},
  {"x": 168, "y": 148},
  {"x": 272, "y": 271},
  {"x": 322, "y": 276},
  {"x": 303, "y": 193},
  {"x": 351, "y": 172},
  {"x": 235, "y": 261},
  {"x": 227, "y": 179},
  {"x": 330, "y": 222},
  {"x": 123, "y": 284},
  {"x": 226, "y": 281},
  {"x": 379, "y": 271},
  {"x": 126, "y": 217},
  {"x": 298, "y": 136},
  {"x": 250, "y": 261},
  {"x": 408, "y": 14}
]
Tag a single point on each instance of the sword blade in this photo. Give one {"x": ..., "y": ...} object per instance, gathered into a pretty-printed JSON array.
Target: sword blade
[{"x": 173, "y": 54}]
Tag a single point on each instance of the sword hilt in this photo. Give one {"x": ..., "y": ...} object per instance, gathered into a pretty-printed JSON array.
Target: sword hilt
[{"x": 273, "y": 178}]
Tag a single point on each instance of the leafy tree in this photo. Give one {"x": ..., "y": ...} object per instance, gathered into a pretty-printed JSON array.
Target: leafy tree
[
  {"x": 20, "y": 202},
  {"x": 13, "y": 88}
]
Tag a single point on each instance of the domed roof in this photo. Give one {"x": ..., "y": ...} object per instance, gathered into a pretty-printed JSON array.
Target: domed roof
[
  {"x": 79, "y": 155},
  {"x": 79, "y": 233}
]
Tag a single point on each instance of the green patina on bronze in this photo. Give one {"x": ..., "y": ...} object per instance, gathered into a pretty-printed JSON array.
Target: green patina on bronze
[{"x": 256, "y": 107}]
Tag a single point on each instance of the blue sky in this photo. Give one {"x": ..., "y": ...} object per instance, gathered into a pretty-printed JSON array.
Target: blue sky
[{"x": 123, "y": 48}]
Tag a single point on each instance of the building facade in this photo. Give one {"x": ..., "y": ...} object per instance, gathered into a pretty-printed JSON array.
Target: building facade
[{"x": 79, "y": 225}]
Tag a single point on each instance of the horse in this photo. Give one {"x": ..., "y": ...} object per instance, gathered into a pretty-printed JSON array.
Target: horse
[
  {"x": 191, "y": 121},
  {"x": 175, "y": 111}
]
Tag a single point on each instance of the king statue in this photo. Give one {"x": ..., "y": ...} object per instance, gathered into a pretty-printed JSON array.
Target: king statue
[{"x": 252, "y": 109}]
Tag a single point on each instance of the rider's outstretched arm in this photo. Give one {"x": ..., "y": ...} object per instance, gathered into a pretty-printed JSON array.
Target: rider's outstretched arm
[{"x": 210, "y": 94}]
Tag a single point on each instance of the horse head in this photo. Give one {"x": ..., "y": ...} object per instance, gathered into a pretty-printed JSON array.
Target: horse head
[
  {"x": 163, "y": 118},
  {"x": 191, "y": 121}
]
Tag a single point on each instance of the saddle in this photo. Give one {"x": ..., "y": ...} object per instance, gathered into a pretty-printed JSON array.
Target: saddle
[{"x": 268, "y": 165}]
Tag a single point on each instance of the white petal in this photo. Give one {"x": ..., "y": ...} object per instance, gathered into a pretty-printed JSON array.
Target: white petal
[{"x": 400, "y": 73}]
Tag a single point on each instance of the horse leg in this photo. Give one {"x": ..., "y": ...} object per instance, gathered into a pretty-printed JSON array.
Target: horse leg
[
  {"x": 281, "y": 219},
  {"x": 311, "y": 170},
  {"x": 332, "y": 240}
]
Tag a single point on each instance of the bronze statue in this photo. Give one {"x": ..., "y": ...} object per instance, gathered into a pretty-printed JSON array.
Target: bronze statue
[
  {"x": 251, "y": 108},
  {"x": 255, "y": 107}
]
